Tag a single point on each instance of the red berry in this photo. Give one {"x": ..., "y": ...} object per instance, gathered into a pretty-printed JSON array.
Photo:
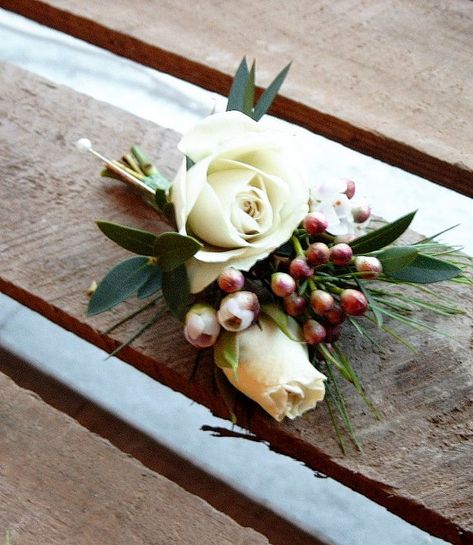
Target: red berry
[
  {"x": 341, "y": 254},
  {"x": 361, "y": 213},
  {"x": 282, "y": 284},
  {"x": 321, "y": 301},
  {"x": 315, "y": 223},
  {"x": 353, "y": 302},
  {"x": 300, "y": 269},
  {"x": 336, "y": 315},
  {"x": 314, "y": 333},
  {"x": 231, "y": 280},
  {"x": 294, "y": 304},
  {"x": 370, "y": 267},
  {"x": 317, "y": 254},
  {"x": 332, "y": 333}
]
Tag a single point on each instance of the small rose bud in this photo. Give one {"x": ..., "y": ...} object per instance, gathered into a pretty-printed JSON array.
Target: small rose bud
[
  {"x": 321, "y": 301},
  {"x": 361, "y": 213},
  {"x": 353, "y": 302},
  {"x": 350, "y": 190},
  {"x": 332, "y": 333},
  {"x": 314, "y": 333},
  {"x": 344, "y": 238},
  {"x": 336, "y": 315},
  {"x": 341, "y": 254},
  {"x": 231, "y": 280},
  {"x": 300, "y": 269},
  {"x": 238, "y": 310},
  {"x": 294, "y": 304},
  {"x": 201, "y": 327},
  {"x": 315, "y": 223},
  {"x": 370, "y": 267},
  {"x": 317, "y": 254},
  {"x": 282, "y": 284}
]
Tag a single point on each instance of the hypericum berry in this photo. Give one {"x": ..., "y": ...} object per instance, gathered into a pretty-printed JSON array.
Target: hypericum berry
[
  {"x": 238, "y": 310},
  {"x": 315, "y": 223},
  {"x": 361, "y": 213},
  {"x": 336, "y": 315},
  {"x": 294, "y": 304},
  {"x": 201, "y": 327},
  {"x": 231, "y": 280},
  {"x": 369, "y": 267},
  {"x": 353, "y": 302},
  {"x": 341, "y": 254},
  {"x": 318, "y": 253},
  {"x": 282, "y": 284},
  {"x": 299, "y": 268},
  {"x": 350, "y": 190},
  {"x": 321, "y": 301},
  {"x": 314, "y": 333},
  {"x": 332, "y": 333}
]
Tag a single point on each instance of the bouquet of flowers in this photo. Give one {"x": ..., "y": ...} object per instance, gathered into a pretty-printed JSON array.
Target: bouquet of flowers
[{"x": 265, "y": 268}]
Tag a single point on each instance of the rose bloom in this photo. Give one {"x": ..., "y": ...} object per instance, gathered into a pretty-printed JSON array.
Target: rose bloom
[
  {"x": 275, "y": 371},
  {"x": 243, "y": 197}
]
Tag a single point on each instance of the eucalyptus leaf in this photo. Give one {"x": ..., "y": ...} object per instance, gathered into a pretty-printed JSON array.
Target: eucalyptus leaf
[
  {"x": 425, "y": 270},
  {"x": 396, "y": 258},
  {"x": 226, "y": 351},
  {"x": 249, "y": 94},
  {"x": 153, "y": 284},
  {"x": 173, "y": 249},
  {"x": 286, "y": 323},
  {"x": 237, "y": 90},
  {"x": 375, "y": 240},
  {"x": 267, "y": 98},
  {"x": 175, "y": 286},
  {"x": 119, "y": 283},
  {"x": 135, "y": 240}
]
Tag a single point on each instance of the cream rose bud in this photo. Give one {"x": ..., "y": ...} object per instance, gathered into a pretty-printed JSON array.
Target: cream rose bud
[
  {"x": 238, "y": 310},
  {"x": 276, "y": 372},
  {"x": 243, "y": 197},
  {"x": 201, "y": 327}
]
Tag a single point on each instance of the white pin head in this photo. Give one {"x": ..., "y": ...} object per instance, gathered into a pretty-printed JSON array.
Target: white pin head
[{"x": 84, "y": 144}]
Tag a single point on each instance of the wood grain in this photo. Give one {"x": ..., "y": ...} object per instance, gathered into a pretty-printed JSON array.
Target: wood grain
[
  {"x": 390, "y": 79},
  {"x": 60, "y": 483},
  {"x": 416, "y": 460}
]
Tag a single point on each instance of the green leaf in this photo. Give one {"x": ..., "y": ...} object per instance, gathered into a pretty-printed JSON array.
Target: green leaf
[
  {"x": 153, "y": 284},
  {"x": 189, "y": 163},
  {"x": 375, "y": 240},
  {"x": 173, "y": 249},
  {"x": 135, "y": 240},
  {"x": 267, "y": 98},
  {"x": 286, "y": 323},
  {"x": 119, "y": 283},
  {"x": 160, "y": 199},
  {"x": 237, "y": 90},
  {"x": 226, "y": 350},
  {"x": 396, "y": 258},
  {"x": 425, "y": 270},
  {"x": 157, "y": 181},
  {"x": 249, "y": 94},
  {"x": 175, "y": 286}
]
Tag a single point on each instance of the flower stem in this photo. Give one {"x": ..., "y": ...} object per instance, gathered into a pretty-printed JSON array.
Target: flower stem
[{"x": 297, "y": 246}]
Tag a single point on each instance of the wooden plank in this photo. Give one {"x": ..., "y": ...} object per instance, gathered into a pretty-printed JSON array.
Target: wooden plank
[
  {"x": 155, "y": 456},
  {"x": 392, "y": 80},
  {"x": 416, "y": 460},
  {"x": 61, "y": 483}
]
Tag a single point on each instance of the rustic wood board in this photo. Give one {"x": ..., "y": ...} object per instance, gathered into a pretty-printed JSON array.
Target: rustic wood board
[
  {"x": 416, "y": 461},
  {"x": 390, "y": 79},
  {"x": 60, "y": 483}
]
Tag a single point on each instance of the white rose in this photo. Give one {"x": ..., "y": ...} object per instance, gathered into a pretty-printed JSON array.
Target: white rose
[
  {"x": 275, "y": 371},
  {"x": 243, "y": 197}
]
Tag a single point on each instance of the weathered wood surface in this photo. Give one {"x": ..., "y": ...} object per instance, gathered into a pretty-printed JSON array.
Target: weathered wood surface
[
  {"x": 416, "y": 461},
  {"x": 157, "y": 457},
  {"x": 60, "y": 483},
  {"x": 390, "y": 79}
]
